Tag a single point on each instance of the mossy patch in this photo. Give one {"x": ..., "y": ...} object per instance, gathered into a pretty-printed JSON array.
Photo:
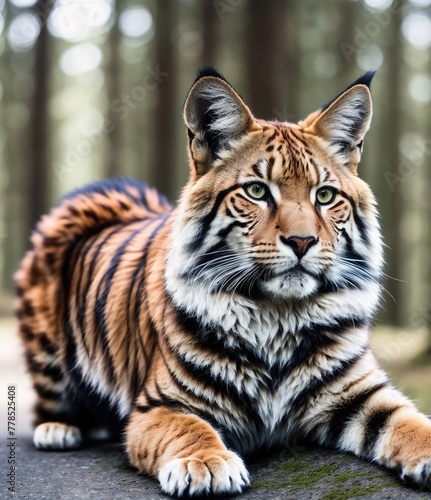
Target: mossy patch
[
  {"x": 102, "y": 463},
  {"x": 124, "y": 468},
  {"x": 264, "y": 485},
  {"x": 120, "y": 467},
  {"x": 294, "y": 466},
  {"x": 296, "y": 479},
  {"x": 342, "y": 478},
  {"x": 305, "y": 480},
  {"x": 356, "y": 491}
]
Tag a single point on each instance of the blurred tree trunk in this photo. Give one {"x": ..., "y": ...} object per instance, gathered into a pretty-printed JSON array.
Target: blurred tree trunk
[
  {"x": 423, "y": 316},
  {"x": 209, "y": 32},
  {"x": 350, "y": 12},
  {"x": 113, "y": 71},
  {"x": 290, "y": 110},
  {"x": 163, "y": 172},
  {"x": 391, "y": 205},
  {"x": 266, "y": 42},
  {"x": 38, "y": 199}
]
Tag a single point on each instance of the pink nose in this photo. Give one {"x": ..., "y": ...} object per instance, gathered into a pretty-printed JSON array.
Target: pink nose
[{"x": 299, "y": 244}]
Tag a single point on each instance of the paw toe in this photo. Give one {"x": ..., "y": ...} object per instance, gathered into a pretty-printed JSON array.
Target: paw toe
[
  {"x": 56, "y": 436},
  {"x": 212, "y": 475}
]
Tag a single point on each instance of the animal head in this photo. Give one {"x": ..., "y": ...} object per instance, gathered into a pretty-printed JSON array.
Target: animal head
[{"x": 275, "y": 209}]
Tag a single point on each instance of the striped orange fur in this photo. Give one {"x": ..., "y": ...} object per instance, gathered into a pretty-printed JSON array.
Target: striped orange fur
[{"x": 232, "y": 323}]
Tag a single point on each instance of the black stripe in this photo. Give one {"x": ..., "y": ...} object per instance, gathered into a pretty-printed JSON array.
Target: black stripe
[
  {"x": 180, "y": 383},
  {"x": 270, "y": 165},
  {"x": 108, "y": 209},
  {"x": 256, "y": 170},
  {"x": 71, "y": 354},
  {"x": 71, "y": 358},
  {"x": 236, "y": 223},
  {"x": 70, "y": 261},
  {"x": 224, "y": 389},
  {"x": 314, "y": 338},
  {"x": 110, "y": 187},
  {"x": 102, "y": 298},
  {"x": 143, "y": 408},
  {"x": 359, "y": 260},
  {"x": 26, "y": 332},
  {"x": 360, "y": 223},
  {"x": 81, "y": 296},
  {"x": 210, "y": 340},
  {"x": 51, "y": 371},
  {"x": 186, "y": 408},
  {"x": 340, "y": 202},
  {"x": 207, "y": 220},
  {"x": 157, "y": 403},
  {"x": 205, "y": 400},
  {"x": 298, "y": 404},
  {"x": 299, "y": 139},
  {"x": 140, "y": 290},
  {"x": 45, "y": 393},
  {"x": 374, "y": 427},
  {"x": 359, "y": 276},
  {"x": 347, "y": 410},
  {"x": 91, "y": 214},
  {"x": 246, "y": 285},
  {"x": 272, "y": 137},
  {"x": 48, "y": 415},
  {"x": 46, "y": 345}
]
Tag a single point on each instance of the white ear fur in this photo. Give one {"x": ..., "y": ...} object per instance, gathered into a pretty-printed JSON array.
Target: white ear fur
[
  {"x": 215, "y": 115},
  {"x": 345, "y": 122},
  {"x": 210, "y": 96}
]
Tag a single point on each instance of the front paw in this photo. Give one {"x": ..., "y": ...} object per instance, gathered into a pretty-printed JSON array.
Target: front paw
[
  {"x": 206, "y": 473},
  {"x": 56, "y": 436},
  {"x": 418, "y": 475}
]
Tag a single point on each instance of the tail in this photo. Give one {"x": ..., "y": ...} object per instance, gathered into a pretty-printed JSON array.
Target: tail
[
  {"x": 39, "y": 304},
  {"x": 83, "y": 212}
]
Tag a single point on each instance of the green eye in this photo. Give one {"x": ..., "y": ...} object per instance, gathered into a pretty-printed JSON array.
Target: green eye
[
  {"x": 325, "y": 195},
  {"x": 256, "y": 190}
]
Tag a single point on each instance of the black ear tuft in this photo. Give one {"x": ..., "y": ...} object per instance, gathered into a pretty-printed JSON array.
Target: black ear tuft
[
  {"x": 208, "y": 71},
  {"x": 365, "y": 79}
]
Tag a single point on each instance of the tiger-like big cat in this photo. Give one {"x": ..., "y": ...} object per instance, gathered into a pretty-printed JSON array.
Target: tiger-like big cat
[{"x": 232, "y": 323}]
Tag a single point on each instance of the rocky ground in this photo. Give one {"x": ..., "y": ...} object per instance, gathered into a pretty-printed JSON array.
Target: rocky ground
[{"x": 100, "y": 471}]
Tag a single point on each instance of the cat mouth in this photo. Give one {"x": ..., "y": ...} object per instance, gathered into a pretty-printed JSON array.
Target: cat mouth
[{"x": 293, "y": 272}]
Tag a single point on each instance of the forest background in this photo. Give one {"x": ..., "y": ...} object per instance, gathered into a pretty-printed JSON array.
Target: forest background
[{"x": 95, "y": 88}]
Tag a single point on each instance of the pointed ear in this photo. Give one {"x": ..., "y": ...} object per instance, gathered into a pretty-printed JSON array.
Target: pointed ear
[
  {"x": 215, "y": 116},
  {"x": 344, "y": 121}
]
